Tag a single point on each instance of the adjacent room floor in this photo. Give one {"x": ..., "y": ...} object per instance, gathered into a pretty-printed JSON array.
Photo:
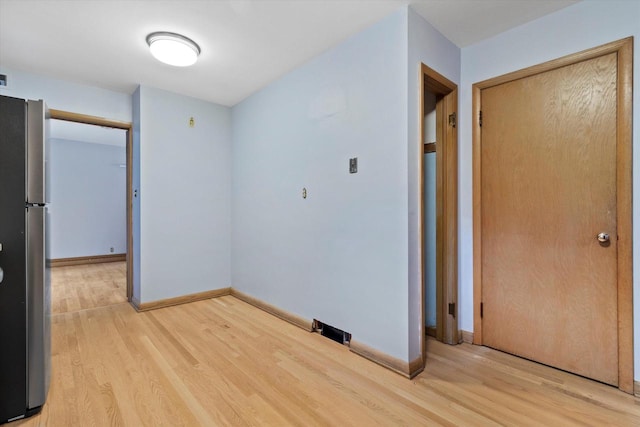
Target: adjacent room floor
[
  {"x": 224, "y": 362},
  {"x": 81, "y": 287}
]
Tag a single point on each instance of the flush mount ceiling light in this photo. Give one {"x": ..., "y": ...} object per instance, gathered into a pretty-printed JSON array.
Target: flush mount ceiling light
[{"x": 173, "y": 49}]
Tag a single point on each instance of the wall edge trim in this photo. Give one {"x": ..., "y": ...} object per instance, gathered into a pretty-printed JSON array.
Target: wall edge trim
[
  {"x": 406, "y": 369},
  {"x": 466, "y": 336},
  {"x": 184, "y": 299},
  {"x": 91, "y": 259},
  {"x": 294, "y": 319}
]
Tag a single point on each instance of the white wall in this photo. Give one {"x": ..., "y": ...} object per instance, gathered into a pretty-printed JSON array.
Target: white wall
[
  {"x": 88, "y": 198},
  {"x": 183, "y": 194},
  {"x": 340, "y": 255},
  {"x": 425, "y": 45},
  {"x": 578, "y": 27}
]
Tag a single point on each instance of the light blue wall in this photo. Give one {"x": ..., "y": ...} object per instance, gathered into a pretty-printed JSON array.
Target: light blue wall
[
  {"x": 68, "y": 96},
  {"x": 340, "y": 255},
  {"x": 430, "y": 238},
  {"x": 135, "y": 196},
  {"x": 429, "y": 207},
  {"x": 350, "y": 253},
  {"x": 78, "y": 98},
  {"x": 581, "y": 26},
  {"x": 88, "y": 199},
  {"x": 425, "y": 45},
  {"x": 183, "y": 194}
]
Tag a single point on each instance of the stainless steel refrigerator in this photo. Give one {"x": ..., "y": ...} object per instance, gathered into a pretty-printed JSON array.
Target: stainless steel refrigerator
[{"x": 25, "y": 296}]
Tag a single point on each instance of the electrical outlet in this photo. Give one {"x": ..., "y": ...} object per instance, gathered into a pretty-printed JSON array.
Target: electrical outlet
[{"x": 111, "y": 249}]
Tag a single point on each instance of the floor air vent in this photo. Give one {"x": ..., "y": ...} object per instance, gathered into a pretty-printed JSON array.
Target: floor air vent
[{"x": 338, "y": 335}]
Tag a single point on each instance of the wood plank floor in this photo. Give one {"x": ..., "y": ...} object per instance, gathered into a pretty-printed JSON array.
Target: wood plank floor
[
  {"x": 81, "y": 287},
  {"x": 224, "y": 362}
]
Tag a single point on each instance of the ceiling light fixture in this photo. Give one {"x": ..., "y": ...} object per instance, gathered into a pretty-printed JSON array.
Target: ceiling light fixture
[{"x": 173, "y": 49}]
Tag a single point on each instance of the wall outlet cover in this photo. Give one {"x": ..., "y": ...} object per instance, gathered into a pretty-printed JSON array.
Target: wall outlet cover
[{"x": 353, "y": 165}]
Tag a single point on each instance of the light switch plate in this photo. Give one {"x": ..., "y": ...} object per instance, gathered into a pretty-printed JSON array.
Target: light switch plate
[{"x": 353, "y": 165}]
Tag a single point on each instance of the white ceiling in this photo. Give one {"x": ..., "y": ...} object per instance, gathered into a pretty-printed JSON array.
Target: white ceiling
[
  {"x": 466, "y": 22},
  {"x": 246, "y": 44}
]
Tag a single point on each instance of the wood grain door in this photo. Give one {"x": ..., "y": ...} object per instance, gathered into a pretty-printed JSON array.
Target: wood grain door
[{"x": 548, "y": 185}]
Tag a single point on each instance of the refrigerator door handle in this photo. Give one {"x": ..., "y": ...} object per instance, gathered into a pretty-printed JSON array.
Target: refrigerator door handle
[
  {"x": 36, "y": 152},
  {"x": 38, "y": 308}
]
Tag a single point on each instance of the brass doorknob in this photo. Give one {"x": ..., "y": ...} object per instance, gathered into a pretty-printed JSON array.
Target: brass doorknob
[{"x": 603, "y": 237}]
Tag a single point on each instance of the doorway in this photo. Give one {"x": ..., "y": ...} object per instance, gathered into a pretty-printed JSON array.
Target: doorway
[
  {"x": 439, "y": 207},
  {"x": 552, "y": 214},
  {"x": 98, "y": 121}
]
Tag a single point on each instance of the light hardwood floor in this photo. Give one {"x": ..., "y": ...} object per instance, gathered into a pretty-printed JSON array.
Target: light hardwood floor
[
  {"x": 82, "y": 287},
  {"x": 224, "y": 362}
]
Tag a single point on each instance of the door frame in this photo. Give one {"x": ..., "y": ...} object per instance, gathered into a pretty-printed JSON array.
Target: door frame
[
  {"x": 99, "y": 121},
  {"x": 624, "y": 50},
  {"x": 446, "y": 148}
]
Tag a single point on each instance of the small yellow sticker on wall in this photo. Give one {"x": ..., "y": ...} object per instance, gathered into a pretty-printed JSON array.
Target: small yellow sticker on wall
[{"x": 192, "y": 122}]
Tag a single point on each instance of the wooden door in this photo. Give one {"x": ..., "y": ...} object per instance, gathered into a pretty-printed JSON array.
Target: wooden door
[
  {"x": 447, "y": 221},
  {"x": 548, "y": 185},
  {"x": 446, "y": 148}
]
